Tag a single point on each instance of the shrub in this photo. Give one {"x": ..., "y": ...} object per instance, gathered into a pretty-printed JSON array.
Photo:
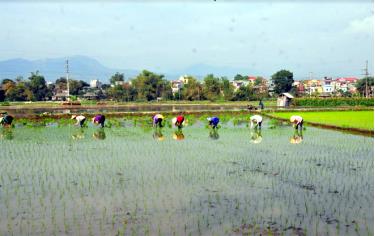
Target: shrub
[{"x": 333, "y": 102}]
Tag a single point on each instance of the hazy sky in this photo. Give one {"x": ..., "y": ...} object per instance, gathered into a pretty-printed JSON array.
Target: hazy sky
[{"x": 333, "y": 39}]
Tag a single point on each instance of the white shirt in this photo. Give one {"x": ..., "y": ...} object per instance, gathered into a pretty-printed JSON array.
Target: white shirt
[
  {"x": 257, "y": 119},
  {"x": 296, "y": 118},
  {"x": 80, "y": 118}
]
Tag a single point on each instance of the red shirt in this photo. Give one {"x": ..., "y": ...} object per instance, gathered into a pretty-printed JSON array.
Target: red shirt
[{"x": 180, "y": 119}]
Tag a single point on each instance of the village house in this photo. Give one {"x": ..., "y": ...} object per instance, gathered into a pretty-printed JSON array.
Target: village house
[{"x": 177, "y": 85}]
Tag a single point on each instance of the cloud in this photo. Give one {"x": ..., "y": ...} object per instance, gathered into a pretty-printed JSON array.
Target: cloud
[{"x": 364, "y": 25}]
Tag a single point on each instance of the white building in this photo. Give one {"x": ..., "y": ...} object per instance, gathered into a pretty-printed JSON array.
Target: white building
[
  {"x": 95, "y": 83},
  {"x": 238, "y": 83},
  {"x": 184, "y": 79},
  {"x": 328, "y": 85}
]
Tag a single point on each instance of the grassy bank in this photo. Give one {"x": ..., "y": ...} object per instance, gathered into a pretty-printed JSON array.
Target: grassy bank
[
  {"x": 344, "y": 119},
  {"x": 52, "y": 104}
]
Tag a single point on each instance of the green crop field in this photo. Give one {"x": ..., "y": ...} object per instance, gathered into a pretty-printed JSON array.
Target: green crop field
[
  {"x": 345, "y": 119},
  {"x": 131, "y": 179}
]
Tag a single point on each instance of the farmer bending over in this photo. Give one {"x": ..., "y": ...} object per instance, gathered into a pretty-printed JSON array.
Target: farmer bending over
[
  {"x": 6, "y": 120},
  {"x": 157, "y": 120},
  {"x": 256, "y": 121},
  {"x": 178, "y": 121},
  {"x": 80, "y": 120},
  {"x": 99, "y": 119},
  {"x": 213, "y": 121},
  {"x": 297, "y": 121}
]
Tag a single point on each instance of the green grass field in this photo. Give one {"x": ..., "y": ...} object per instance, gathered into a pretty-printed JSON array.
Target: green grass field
[{"x": 346, "y": 119}]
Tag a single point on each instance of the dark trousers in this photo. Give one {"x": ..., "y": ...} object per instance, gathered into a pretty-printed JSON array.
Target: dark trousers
[
  {"x": 299, "y": 125},
  {"x": 82, "y": 122}
]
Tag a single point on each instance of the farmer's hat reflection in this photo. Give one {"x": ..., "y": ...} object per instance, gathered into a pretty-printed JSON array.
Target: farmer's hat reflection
[
  {"x": 99, "y": 134},
  {"x": 80, "y": 134},
  {"x": 256, "y": 137},
  {"x": 158, "y": 135},
  {"x": 214, "y": 134},
  {"x": 297, "y": 137},
  {"x": 7, "y": 134},
  {"x": 178, "y": 135}
]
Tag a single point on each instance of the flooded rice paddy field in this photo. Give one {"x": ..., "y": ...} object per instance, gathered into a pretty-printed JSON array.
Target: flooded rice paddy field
[{"x": 130, "y": 180}]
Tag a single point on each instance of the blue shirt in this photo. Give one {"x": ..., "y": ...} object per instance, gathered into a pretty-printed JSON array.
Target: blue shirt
[{"x": 215, "y": 120}]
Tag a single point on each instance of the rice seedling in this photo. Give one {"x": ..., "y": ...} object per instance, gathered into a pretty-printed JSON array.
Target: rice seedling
[{"x": 127, "y": 183}]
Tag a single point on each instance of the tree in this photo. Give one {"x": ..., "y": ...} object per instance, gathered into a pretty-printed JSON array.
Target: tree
[
  {"x": 242, "y": 93},
  {"x": 150, "y": 86},
  {"x": 211, "y": 87},
  {"x": 5, "y": 81},
  {"x": 2, "y": 95},
  {"x": 282, "y": 81},
  {"x": 76, "y": 86},
  {"x": 361, "y": 85},
  {"x": 258, "y": 81},
  {"x": 38, "y": 86},
  {"x": 192, "y": 90},
  {"x": 19, "y": 92},
  {"x": 240, "y": 77},
  {"x": 117, "y": 92},
  {"x": 227, "y": 88},
  {"x": 116, "y": 77}
]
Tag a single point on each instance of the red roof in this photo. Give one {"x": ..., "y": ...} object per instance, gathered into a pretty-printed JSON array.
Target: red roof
[
  {"x": 252, "y": 78},
  {"x": 347, "y": 79}
]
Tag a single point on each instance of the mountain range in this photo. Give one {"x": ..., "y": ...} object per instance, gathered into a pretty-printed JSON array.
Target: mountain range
[{"x": 86, "y": 68}]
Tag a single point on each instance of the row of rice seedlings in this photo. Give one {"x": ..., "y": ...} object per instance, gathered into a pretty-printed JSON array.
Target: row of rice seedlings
[{"x": 98, "y": 184}]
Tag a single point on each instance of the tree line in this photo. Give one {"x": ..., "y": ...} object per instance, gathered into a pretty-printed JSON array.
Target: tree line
[{"x": 149, "y": 86}]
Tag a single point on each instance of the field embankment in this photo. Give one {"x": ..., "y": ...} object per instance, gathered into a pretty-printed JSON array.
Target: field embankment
[{"x": 362, "y": 121}]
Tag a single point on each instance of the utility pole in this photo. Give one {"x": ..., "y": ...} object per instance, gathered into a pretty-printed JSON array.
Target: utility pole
[
  {"x": 67, "y": 78},
  {"x": 366, "y": 77}
]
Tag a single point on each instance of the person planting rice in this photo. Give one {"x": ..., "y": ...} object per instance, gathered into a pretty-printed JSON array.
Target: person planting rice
[
  {"x": 178, "y": 121},
  {"x": 80, "y": 120},
  {"x": 213, "y": 121},
  {"x": 6, "y": 120},
  {"x": 157, "y": 120},
  {"x": 99, "y": 119},
  {"x": 256, "y": 121},
  {"x": 297, "y": 121}
]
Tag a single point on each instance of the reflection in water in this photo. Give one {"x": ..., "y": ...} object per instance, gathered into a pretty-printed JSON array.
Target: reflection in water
[
  {"x": 178, "y": 135},
  {"x": 158, "y": 135},
  {"x": 7, "y": 134},
  {"x": 99, "y": 134},
  {"x": 297, "y": 137},
  {"x": 256, "y": 137},
  {"x": 80, "y": 134},
  {"x": 214, "y": 134}
]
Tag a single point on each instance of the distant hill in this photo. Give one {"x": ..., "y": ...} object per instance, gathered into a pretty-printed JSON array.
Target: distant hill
[
  {"x": 80, "y": 67},
  {"x": 201, "y": 70},
  {"x": 86, "y": 68}
]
